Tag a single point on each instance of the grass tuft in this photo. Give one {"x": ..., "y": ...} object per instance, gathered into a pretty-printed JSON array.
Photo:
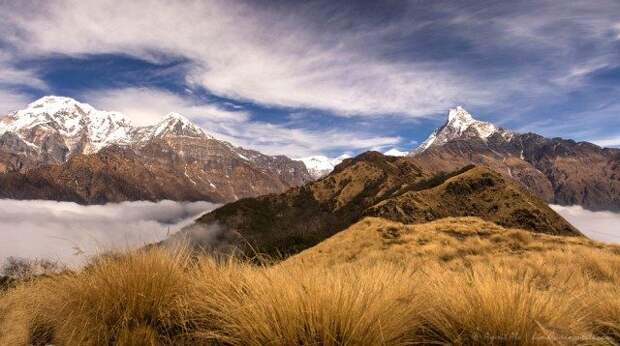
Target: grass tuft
[{"x": 450, "y": 282}]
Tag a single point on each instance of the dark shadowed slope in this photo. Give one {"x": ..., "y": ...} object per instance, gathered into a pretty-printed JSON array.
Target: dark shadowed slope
[{"x": 374, "y": 185}]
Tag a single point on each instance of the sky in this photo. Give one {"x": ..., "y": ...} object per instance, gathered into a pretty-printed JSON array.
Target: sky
[{"x": 323, "y": 77}]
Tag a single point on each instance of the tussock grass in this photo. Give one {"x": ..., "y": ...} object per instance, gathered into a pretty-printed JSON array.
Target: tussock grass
[
  {"x": 111, "y": 300},
  {"x": 484, "y": 307},
  {"x": 307, "y": 306},
  {"x": 454, "y": 281}
]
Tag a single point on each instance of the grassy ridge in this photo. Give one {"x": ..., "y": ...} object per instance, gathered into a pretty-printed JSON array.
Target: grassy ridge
[{"x": 453, "y": 281}]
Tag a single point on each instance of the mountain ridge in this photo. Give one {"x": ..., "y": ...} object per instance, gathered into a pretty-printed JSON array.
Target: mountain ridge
[
  {"x": 371, "y": 184},
  {"x": 560, "y": 171},
  {"x": 52, "y": 131}
]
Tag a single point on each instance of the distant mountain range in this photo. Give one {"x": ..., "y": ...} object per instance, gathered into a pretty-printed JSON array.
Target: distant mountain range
[
  {"x": 558, "y": 170},
  {"x": 61, "y": 149}
]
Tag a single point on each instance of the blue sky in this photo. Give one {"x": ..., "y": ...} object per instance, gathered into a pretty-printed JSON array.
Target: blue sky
[{"x": 323, "y": 77}]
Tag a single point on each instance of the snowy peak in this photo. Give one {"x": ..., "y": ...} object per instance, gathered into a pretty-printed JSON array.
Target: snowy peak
[
  {"x": 62, "y": 114},
  {"x": 461, "y": 124},
  {"x": 460, "y": 119},
  {"x": 319, "y": 165},
  {"x": 174, "y": 116},
  {"x": 55, "y": 104},
  {"x": 84, "y": 129},
  {"x": 72, "y": 120},
  {"x": 177, "y": 125}
]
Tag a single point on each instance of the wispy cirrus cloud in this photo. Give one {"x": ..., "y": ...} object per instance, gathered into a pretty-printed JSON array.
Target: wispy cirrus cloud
[
  {"x": 297, "y": 142},
  {"x": 146, "y": 106},
  {"x": 12, "y": 81},
  {"x": 513, "y": 63},
  {"x": 276, "y": 56},
  {"x": 11, "y": 100}
]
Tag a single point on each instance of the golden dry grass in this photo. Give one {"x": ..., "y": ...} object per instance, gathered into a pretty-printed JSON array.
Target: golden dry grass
[{"x": 454, "y": 281}]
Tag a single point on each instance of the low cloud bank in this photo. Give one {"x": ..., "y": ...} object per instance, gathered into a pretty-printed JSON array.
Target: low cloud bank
[
  {"x": 70, "y": 233},
  {"x": 597, "y": 225}
]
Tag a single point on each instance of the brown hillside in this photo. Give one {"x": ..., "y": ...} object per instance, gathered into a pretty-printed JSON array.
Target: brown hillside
[
  {"x": 112, "y": 175},
  {"x": 117, "y": 174},
  {"x": 453, "y": 241},
  {"x": 454, "y": 281},
  {"x": 476, "y": 192},
  {"x": 372, "y": 184}
]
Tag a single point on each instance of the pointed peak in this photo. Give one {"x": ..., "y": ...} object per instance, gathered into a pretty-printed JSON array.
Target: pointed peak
[
  {"x": 58, "y": 101},
  {"x": 49, "y": 99},
  {"x": 459, "y": 113},
  {"x": 177, "y": 116},
  {"x": 51, "y": 104},
  {"x": 460, "y": 125},
  {"x": 177, "y": 124}
]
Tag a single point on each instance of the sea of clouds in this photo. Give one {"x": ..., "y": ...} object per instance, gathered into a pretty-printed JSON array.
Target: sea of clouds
[
  {"x": 597, "y": 225},
  {"x": 70, "y": 233}
]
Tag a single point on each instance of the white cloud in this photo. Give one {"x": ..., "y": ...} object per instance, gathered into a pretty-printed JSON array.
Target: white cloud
[
  {"x": 11, "y": 100},
  {"x": 17, "y": 77},
  {"x": 295, "y": 142},
  {"x": 597, "y": 225},
  {"x": 10, "y": 78},
  {"x": 567, "y": 42},
  {"x": 608, "y": 142},
  {"x": 271, "y": 57},
  {"x": 146, "y": 106},
  {"x": 396, "y": 152},
  {"x": 57, "y": 230}
]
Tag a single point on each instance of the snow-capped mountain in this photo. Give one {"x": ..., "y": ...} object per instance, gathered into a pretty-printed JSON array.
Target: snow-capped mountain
[
  {"x": 177, "y": 125},
  {"x": 319, "y": 165},
  {"x": 395, "y": 152},
  {"x": 82, "y": 128},
  {"x": 557, "y": 170},
  {"x": 86, "y": 130},
  {"x": 54, "y": 130},
  {"x": 461, "y": 124}
]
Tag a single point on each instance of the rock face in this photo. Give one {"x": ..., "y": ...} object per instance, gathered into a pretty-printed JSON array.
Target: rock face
[
  {"x": 557, "y": 170},
  {"x": 371, "y": 184},
  {"x": 61, "y": 149}
]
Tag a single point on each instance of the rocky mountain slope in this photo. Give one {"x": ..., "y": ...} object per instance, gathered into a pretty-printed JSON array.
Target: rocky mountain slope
[
  {"x": 117, "y": 174},
  {"x": 557, "y": 170},
  {"x": 371, "y": 184},
  {"x": 45, "y": 153}
]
